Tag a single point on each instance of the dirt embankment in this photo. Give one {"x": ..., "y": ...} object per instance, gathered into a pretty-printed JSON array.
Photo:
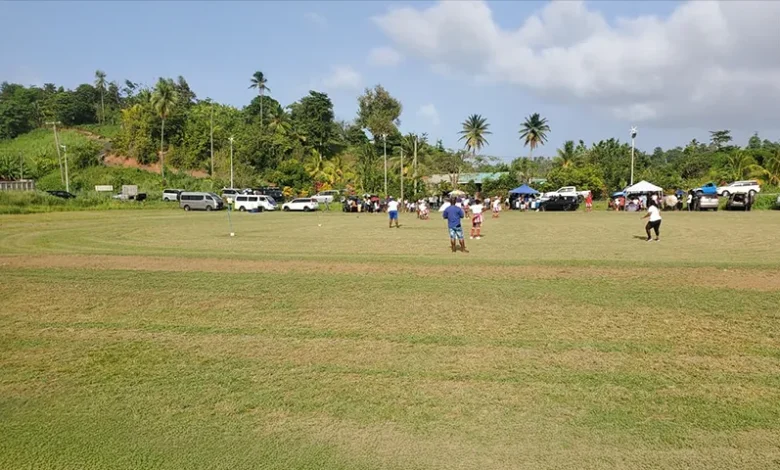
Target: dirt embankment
[{"x": 112, "y": 159}]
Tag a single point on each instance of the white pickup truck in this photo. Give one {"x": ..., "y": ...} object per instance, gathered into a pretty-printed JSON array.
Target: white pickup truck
[{"x": 570, "y": 191}]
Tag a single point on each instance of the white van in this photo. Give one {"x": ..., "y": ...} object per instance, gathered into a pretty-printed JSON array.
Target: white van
[{"x": 250, "y": 202}]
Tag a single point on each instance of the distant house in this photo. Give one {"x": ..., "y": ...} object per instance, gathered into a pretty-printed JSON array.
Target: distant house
[{"x": 465, "y": 178}]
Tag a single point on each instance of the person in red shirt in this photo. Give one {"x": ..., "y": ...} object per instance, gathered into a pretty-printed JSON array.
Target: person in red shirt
[{"x": 589, "y": 202}]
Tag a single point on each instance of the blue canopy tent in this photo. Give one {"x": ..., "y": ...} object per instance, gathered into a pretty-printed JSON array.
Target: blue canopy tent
[
  {"x": 516, "y": 196},
  {"x": 523, "y": 190}
]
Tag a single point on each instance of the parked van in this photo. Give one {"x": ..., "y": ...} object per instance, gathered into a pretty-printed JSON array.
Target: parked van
[
  {"x": 250, "y": 202},
  {"x": 200, "y": 201}
]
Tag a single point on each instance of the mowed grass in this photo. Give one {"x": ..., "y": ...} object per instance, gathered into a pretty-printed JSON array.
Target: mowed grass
[{"x": 152, "y": 339}]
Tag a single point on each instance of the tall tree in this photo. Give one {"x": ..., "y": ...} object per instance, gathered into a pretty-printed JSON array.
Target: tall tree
[
  {"x": 534, "y": 132},
  {"x": 475, "y": 128},
  {"x": 163, "y": 100},
  {"x": 313, "y": 117},
  {"x": 259, "y": 81},
  {"x": 378, "y": 111},
  {"x": 567, "y": 156},
  {"x": 720, "y": 138},
  {"x": 100, "y": 84}
]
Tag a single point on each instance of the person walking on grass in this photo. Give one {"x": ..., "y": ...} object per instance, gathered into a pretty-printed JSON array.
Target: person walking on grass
[
  {"x": 476, "y": 219},
  {"x": 392, "y": 210},
  {"x": 454, "y": 214},
  {"x": 655, "y": 220}
]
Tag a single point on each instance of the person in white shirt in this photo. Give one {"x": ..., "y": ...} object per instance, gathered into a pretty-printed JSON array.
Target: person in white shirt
[
  {"x": 655, "y": 220},
  {"x": 476, "y": 219},
  {"x": 392, "y": 210}
]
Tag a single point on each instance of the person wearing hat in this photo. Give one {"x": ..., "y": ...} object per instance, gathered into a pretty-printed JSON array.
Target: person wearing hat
[{"x": 392, "y": 210}]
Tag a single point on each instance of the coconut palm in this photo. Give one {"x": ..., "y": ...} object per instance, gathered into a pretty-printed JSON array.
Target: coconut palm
[
  {"x": 163, "y": 100},
  {"x": 259, "y": 81},
  {"x": 567, "y": 156},
  {"x": 279, "y": 122},
  {"x": 475, "y": 128},
  {"x": 534, "y": 132},
  {"x": 314, "y": 164},
  {"x": 770, "y": 170},
  {"x": 100, "y": 84}
]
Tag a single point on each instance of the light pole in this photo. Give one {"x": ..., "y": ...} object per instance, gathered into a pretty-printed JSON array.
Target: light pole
[
  {"x": 384, "y": 140},
  {"x": 633, "y": 136},
  {"x": 57, "y": 145},
  {"x": 231, "y": 161},
  {"x": 402, "y": 175},
  {"x": 65, "y": 156},
  {"x": 415, "y": 166}
]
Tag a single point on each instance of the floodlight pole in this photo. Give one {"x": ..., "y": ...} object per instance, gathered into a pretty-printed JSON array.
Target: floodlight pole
[
  {"x": 402, "y": 175},
  {"x": 633, "y": 136},
  {"x": 231, "y": 160},
  {"x": 384, "y": 140},
  {"x": 415, "y": 165},
  {"x": 211, "y": 131},
  {"x": 65, "y": 156},
  {"x": 57, "y": 146}
]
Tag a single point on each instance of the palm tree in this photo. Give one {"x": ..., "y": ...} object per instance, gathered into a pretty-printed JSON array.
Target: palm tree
[
  {"x": 566, "y": 156},
  {"x": 258, "y": 81},
  {"x": 163, "y": 100},
  {"x": 314, "y": 164},
  {"x": 770, "y": 170},
  {"x": 534, "y": 132},
  {"x": 100, "y": 84},
  {"x": 280, "y": 122},
  {"x": 475, "y": 128}
]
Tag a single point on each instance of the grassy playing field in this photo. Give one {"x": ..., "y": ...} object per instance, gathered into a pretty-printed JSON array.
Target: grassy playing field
[{"x": 151, "y": 339}]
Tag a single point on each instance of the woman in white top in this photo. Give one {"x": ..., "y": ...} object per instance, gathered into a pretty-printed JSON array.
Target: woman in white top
[
  {"x": 476, "y": 219},
  {"x": 655, "y": 220}
]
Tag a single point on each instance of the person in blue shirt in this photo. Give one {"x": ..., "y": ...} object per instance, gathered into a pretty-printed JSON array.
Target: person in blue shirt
[{"x": 454, "y": 214}]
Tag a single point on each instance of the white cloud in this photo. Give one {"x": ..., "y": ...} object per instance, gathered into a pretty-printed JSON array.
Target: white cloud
[
  {"x": 343, "y": 77},
  {"x": 429, "y": 112},
  {"x": 316, "y": 18},
  {"x": 384, "y": 57},
  {"x": 707, "y": 62}
]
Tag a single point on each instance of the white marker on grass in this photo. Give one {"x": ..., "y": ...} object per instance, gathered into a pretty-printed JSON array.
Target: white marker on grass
[{"x": 230, "y": 222}]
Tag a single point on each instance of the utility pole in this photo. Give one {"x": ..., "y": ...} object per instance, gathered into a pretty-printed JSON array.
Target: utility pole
[
  {"x": 57, "y": 145},
  {"x": 402, "y": 174},
  {"x": 231, "y": 161},
  {"x": 65, "y": 155},
  {"x": 415, "y": 165},
  {"x": 633, "y": 136},
  {"x": 384, "y": 139},
  {"x": 212, "y": 140}
]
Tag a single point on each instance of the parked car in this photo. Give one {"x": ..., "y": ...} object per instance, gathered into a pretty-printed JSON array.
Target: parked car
[
  {"x": 171, "y": 195},
  {"x": 306, "y": 204},
  {"x": 200, "y": 201},
  {"x": 560, "y": 203},
  {"x": 709, "y": 188},
  {"x": 251, "y": 202},
  {"x": 706, "y": 202},
  {"x": 740, "y": 187},
  {"x": 229, "y": 194},
  {"x": 739, "y": 201},
  {"x": 566, "y": 191},
  {"x": 62, "y": 194},
  {"x": 326, "y": 197},
  {"x": 275, "y": 193},
  {"x": 130, "y": 197}
]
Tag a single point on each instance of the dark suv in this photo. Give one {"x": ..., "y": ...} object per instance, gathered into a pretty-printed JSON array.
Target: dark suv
[
  {"x": 62, "y": 194},
  {"x": 560, "y": 203},
  {"x": 275, "y": 193}
]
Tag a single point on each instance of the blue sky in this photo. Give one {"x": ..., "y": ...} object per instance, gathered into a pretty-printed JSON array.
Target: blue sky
[{"x": 326, "y": 46}]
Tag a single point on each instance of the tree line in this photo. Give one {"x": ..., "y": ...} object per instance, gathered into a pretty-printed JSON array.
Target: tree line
[{"x": 303, "y": 147}]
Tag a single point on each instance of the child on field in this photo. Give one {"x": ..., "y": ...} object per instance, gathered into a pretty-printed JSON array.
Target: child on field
[{"x": 476, "y": 219}]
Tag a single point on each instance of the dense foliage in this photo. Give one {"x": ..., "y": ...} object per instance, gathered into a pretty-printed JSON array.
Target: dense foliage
[{"x": 303, "y": 147}]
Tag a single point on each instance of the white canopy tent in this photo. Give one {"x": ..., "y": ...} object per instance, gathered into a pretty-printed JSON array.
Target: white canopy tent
[{"x": 643, "y": 187}]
